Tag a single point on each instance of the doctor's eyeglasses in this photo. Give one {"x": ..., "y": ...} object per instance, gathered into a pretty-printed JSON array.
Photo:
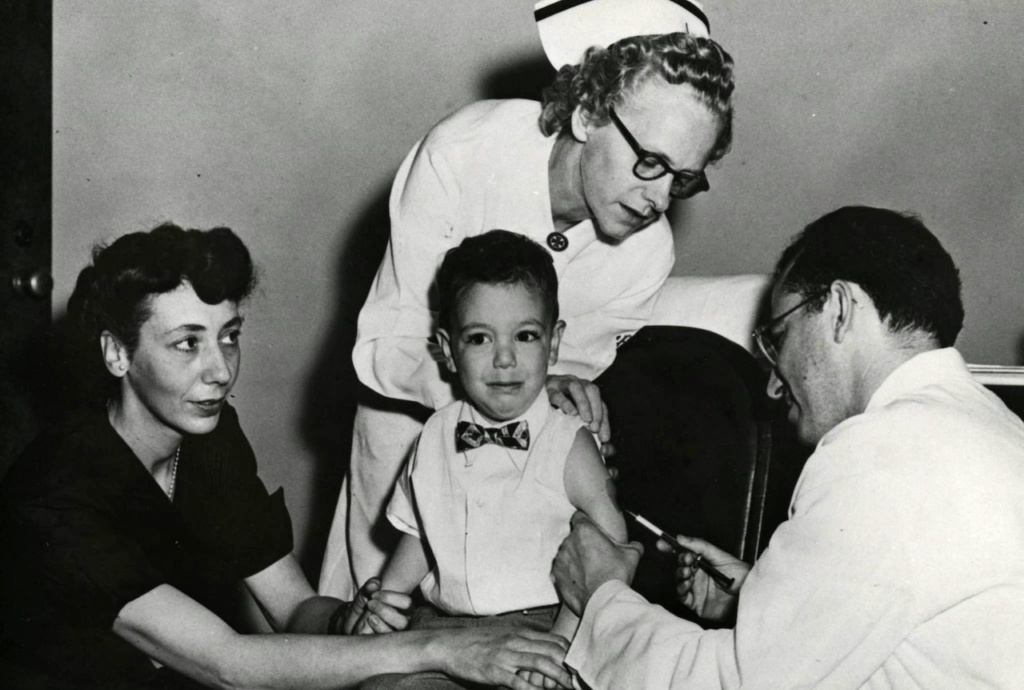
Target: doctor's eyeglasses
[{"x": 765, "y": 337}]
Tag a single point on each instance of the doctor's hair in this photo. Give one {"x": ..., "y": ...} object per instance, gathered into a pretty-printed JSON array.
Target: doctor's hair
[
  {"x": 607, "y": 76},
  {"x": 498, "y": 257},
  {"x": 893, "y": 257},
  {"x": 114, "y": 293}
]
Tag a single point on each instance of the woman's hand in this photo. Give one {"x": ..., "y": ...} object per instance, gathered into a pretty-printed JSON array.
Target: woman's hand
[
  {"x": 576, "y": 396},
  {"x": 696, "y": 590},
  {"x": 376, "y": 611},
  {"x": 506, "y": 657}
]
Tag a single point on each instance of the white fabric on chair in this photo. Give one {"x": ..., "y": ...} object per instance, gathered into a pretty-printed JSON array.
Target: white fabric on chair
[{"x": 726, "y": 305}]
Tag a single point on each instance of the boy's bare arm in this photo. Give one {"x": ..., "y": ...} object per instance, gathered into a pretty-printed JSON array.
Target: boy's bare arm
[
  {"x": 407, "y": 566},
  {"x": 589, "y": 487},
  {"x": 404, "y": 571}
]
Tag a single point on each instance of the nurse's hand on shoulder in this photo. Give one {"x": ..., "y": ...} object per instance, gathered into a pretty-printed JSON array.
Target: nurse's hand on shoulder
[
  {"x": 576, "y": 396},
  {"x": 696, "y": 590}
]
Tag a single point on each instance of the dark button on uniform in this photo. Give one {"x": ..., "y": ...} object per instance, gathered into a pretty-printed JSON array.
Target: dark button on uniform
[{"x": 557, "y": 241}]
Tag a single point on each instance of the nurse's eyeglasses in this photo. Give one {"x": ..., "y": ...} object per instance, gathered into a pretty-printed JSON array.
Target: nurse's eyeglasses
[{"x": 651, "y": 166}]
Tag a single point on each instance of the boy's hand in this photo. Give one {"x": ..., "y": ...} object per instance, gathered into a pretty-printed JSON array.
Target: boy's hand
[
  {"x": 376, "y": 611},
  {"x": 576, "y": 396}
]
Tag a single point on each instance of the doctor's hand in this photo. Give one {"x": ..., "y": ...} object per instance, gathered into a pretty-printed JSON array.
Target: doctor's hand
[
  {"x": 696, "y": 590},
  {"x": 576, "y": 396},
  {"x": 587, "y": 559}
]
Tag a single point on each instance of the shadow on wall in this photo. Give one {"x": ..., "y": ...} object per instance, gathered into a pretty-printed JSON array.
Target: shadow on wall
[
  {"x": 331, "y": 391},
  {"x": 44, "y": 380},
  {"x": 332, "y": 388},
  {"x": 522, "y": 79}
]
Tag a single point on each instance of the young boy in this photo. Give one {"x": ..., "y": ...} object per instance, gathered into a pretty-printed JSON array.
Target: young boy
[{"x": 486, "y": 498}]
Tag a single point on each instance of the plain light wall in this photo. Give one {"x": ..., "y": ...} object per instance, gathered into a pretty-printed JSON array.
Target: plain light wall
[{"x": 286, "y": 122}]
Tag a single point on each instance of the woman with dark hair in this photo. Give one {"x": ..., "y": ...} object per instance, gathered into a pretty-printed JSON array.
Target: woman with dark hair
[
  {"x": 589, "y": 174},
  {"x": 127, "y": 527}
]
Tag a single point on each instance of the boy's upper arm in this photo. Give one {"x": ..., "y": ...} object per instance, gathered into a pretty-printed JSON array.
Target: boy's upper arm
[{"x": 590, "y": 488}]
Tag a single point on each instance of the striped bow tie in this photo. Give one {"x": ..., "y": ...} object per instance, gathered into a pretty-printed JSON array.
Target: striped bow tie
[{"x": 469, "y": 436}]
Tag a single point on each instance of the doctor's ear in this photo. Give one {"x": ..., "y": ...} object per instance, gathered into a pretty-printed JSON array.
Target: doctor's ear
[
  {"x": 446, "y": 348},
  {"x": 115, "y": 354},
  {"x": 844, "y": 297}
]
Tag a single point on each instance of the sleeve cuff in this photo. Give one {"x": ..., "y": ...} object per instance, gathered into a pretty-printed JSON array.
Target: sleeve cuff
[
  {"x": 400, "y": 511},
  {"x": 585, "y": 638},
  {"x": 403, "y": 526}
]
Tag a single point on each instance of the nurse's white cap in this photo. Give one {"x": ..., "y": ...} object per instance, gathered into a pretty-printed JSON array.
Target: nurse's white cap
[{"x": 568, "y": 27}]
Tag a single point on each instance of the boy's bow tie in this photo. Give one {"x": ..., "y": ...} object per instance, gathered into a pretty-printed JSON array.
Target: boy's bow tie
[{"x": 515, "y": 435}]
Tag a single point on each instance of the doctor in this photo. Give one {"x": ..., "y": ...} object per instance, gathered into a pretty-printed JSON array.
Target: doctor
[{"x": 901, "y": 563}]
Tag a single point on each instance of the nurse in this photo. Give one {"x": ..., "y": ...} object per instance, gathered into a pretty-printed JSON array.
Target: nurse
[{"x": 623, "y": 132}]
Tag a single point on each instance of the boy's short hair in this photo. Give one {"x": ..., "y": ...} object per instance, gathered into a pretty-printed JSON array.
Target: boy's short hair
[{"x": 498, "y": 257}]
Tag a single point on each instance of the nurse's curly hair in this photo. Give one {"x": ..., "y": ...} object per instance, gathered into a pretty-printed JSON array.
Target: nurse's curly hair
[
  {"x": 114, "y": 292},
  {"x": 608, "y": 75}
]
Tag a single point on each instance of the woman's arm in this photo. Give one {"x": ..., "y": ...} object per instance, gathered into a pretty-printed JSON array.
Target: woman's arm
[
  {"x": 288, "y": 601},
  {"x": 175, "y": 630},
  {"x": 290, "y": 604}
]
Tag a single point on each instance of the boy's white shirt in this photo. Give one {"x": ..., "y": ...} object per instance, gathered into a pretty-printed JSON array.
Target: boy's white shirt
[{"x": 492, "y": 517}]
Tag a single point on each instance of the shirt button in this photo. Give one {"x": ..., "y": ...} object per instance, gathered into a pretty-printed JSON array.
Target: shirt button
[{"x": 479, "y": 503}]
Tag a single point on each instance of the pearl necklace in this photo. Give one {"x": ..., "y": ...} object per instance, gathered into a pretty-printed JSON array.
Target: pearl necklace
[{"x": 174, "y": 474}]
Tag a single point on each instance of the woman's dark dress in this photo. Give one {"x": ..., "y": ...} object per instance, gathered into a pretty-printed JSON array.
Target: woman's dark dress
[{"x": 85, "y": 530}]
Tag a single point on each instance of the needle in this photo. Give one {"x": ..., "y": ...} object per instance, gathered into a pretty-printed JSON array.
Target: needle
[{"x": 720, "y": 578}]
